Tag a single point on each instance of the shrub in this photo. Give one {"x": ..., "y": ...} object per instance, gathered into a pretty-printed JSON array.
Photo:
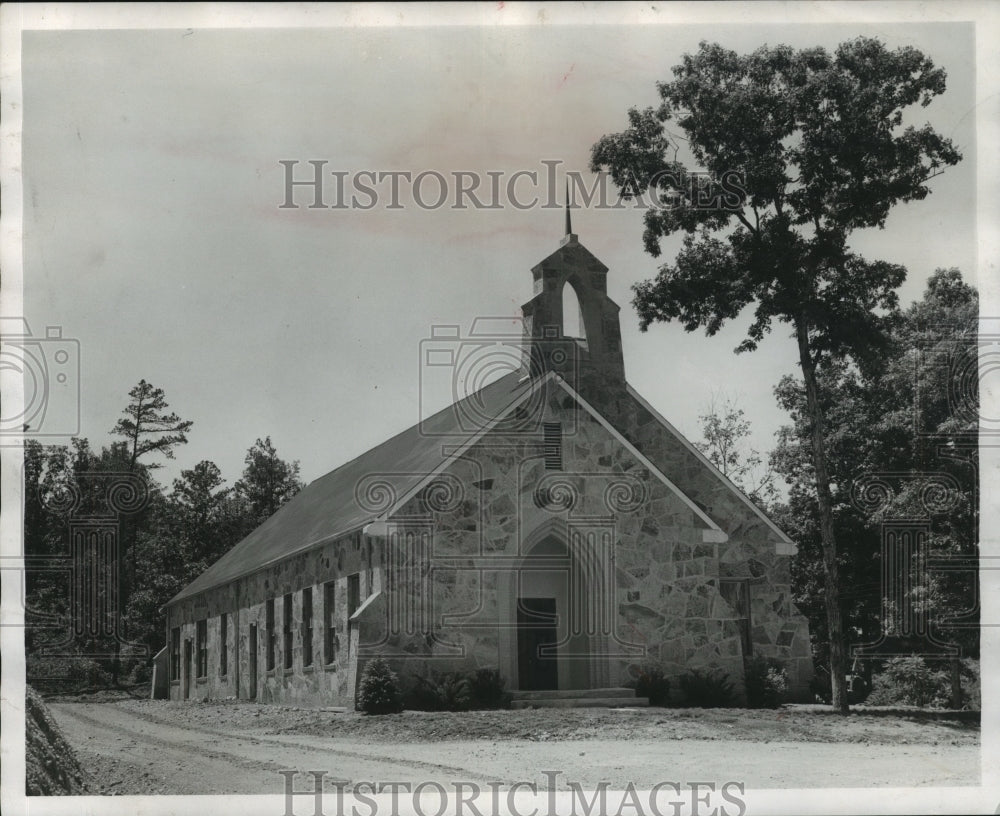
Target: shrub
[
  {"x": 707, "y": 689},
  {"x": 440, "y": 692},
  {"x": 379, "y": 689},
  {"x": 67, "y": 674},
  {"x": 910, "y": 681},
  {"x": 421, "y": 695},
  {"x": 971, "y": 684},
  {"x": 766, "y": 682},
  {"x": 453, "y": 689},
  {"x": 487, "y": 689},
  {"x": 652, "y": 683}
]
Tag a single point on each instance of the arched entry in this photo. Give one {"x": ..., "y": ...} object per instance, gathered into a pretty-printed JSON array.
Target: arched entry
[{"x": 549, "y": 603}]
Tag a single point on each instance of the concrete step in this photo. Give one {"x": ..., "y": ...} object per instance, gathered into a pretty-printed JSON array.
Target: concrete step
[
  {"x": 582, "y": 702},
  {"x": 555, "y": 694}
]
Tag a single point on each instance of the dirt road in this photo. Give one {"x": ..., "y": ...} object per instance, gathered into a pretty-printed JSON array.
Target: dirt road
[{"x": 167, "y": 748}]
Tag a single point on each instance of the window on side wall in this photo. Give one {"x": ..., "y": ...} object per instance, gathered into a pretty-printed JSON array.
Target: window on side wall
[
  {"x": 286, "y": 620},
  {"x": 223, "y": 645},
  {"x": 175, "y": 654},
  {"x": 201, "y": 648},
  {"x": 307, "y": 626},
  {"x": 270, "y": 635},
  {"x": 737, "y": 594},
  {"x": 329, "y": 622}
]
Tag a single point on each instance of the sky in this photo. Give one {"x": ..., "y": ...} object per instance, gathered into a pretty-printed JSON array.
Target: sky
[{"x": 153, "y": 233}]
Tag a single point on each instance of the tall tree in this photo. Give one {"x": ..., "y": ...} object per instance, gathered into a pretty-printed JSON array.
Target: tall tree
[
  {"x": 818, "y": 149},
  {"x": 147, "y": 426},
  {"x": 910, "y": 422},
  {"x": 267, "y": 482}
]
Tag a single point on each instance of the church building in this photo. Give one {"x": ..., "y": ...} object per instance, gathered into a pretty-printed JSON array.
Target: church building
[{"x": 550, "y": 525}]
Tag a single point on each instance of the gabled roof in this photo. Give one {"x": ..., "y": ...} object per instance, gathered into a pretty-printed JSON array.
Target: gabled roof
[
  {"x": 328, "y": 508},
  {"x": 785, "y": 545}
]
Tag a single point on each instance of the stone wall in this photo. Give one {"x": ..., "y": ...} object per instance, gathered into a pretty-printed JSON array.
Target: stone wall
[
  {"x": 754, "y": 551},
  {"x": 321, "y": 683},
  {"x": 440, "y": 577},
  {"x": 667, "y": 606}
]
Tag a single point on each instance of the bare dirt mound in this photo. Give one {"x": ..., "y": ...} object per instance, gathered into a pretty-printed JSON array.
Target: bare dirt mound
[{"x": 51, "y": 768}]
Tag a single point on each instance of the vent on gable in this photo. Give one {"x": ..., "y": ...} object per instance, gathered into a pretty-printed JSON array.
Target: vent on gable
[{"x": 553, "y": 445}]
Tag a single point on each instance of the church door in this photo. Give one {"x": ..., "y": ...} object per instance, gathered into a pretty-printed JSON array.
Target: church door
[{"x": 536, "y": 627}]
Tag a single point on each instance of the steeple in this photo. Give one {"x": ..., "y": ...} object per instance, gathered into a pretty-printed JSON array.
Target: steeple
[
  {"x": 569, "y": 237},
  {"x": 594, "y": 360}
]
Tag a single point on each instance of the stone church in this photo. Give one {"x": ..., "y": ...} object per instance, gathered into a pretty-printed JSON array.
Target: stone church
[{"x": 551, "y": 525}]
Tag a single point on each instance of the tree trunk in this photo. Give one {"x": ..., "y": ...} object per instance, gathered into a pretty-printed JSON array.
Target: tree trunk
[{"x": 838, "y": 656}]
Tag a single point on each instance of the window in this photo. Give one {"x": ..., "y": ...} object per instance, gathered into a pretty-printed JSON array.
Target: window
[
  {"x": 201, "y": 648},
  {"x": 223, "y": 645},
  {"x": 307, "y": 626},
  {"x": 329, "y": 622},
  {"x": 353, "y": 600},
  {"x": 286, "y": 622},
  {"x": 175, "y": 654},
  {"x": 269, "y": 625},
  {"x": 553, "y": 445},
  {"x": 737, "y": 594},
  {"x": 353, "y": 594}
]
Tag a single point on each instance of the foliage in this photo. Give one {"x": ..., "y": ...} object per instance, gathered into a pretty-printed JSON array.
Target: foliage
[
  {"x": 378, "y": 692},
  {"x": 908, "y": 423},
  {"x": 653, "y": 684},
  {"x": 267, "y": 483},
  {"x": 710, "y": 688},
  {"x": 67, "y": 673},
  {"x": 147, "y": 427},
  {"x": 164, "y": 545},
  {"x": 487, "y": 689},
  {"x": 910, "y": 681},
  {"x": 440, "y": 691},
  {"x": 794, "y": 151},
  {"x": 972, "y": 688},
  {"x": 766, "y": 682},
  {"x": 477, "y": 690},
  {"x": 915, "y": 681},
  {"x": 726, "y": 429}
]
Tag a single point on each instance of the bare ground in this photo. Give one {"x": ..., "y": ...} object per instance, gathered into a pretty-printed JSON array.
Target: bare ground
[{"x": 148, "y": 747}]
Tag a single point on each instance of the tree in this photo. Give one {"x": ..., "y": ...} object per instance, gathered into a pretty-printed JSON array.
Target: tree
[
  {"x": 797, "y": 149},
  {"x": 267, "y": 483},
  {"x": 726, "y": 429},
  {"x": 147, "y": 428},
  {"x": 913, "y": 418}
]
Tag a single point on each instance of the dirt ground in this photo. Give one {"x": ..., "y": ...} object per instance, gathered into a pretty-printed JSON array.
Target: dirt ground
[{"x": 149, "y": 747}]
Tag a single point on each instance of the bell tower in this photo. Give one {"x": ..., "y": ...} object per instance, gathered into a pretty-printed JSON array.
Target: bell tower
[{"x": 595, "y": 359}]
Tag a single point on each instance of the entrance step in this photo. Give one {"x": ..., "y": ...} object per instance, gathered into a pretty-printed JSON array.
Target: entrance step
[{"x": 578, "y": 698}]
